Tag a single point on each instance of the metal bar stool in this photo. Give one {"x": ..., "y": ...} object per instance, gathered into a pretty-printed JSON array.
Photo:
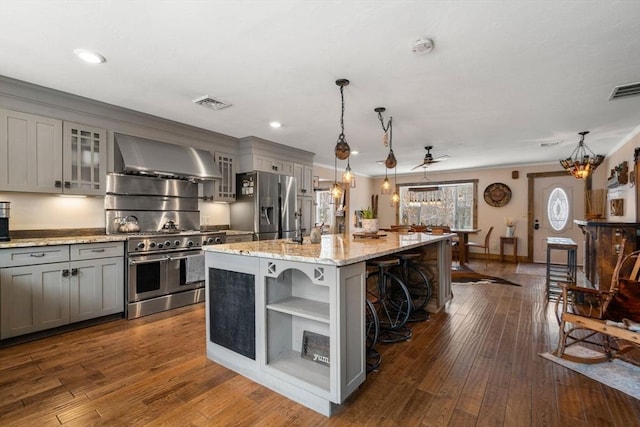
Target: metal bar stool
[
  {"x": 416, "y": 282},
  {"x": 390, "y": 298},
  {"x": 559, "y": 272}
]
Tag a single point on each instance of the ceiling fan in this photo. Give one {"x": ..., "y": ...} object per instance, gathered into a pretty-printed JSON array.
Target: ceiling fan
[{"x": 429, "y": 159}]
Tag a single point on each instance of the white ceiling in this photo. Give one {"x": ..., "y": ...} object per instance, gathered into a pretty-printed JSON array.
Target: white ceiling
[{"x": 504, "y": 77}]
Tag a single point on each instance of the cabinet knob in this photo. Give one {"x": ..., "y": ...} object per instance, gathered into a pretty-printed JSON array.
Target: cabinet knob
[
  {"x": 65, "y": 273},
  {"x": 58, "y": 184},
  {"x": 67, "y": 184},
  {"x": 74, "y": 271}
]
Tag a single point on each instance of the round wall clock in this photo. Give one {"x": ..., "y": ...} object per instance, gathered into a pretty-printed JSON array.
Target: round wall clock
[{"x": 497, "y": 194}]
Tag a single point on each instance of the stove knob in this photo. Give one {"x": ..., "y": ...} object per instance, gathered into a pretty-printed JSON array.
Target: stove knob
[
  {"x": 218, "y": 240},
  {"x": 176, "y": 243},
  {"x": 167, "y": 244},
  {"x": 190, "y": 243},
  {"x": 152, "y": 244},
  {"x": 140, "y": 245},
  {"x": 210, "y": 240},
  {"x": 159, "y": 245}
]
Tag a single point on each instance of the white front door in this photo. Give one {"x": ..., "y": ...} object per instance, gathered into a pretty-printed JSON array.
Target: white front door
[{"x": 557, "y": 201}]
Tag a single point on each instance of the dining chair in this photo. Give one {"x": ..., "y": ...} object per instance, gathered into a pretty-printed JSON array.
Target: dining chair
[{"x": 484, "y": 246}]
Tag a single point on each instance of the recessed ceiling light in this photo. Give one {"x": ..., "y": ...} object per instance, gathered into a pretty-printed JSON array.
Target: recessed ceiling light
[
  {"x": 275, "y": 125},
  {"x": 89, "y": 56},
  {"x": 354, "y": 152}
]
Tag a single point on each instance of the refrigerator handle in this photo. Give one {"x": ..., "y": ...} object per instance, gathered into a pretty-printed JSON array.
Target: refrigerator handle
[{"x": 265, "y": 214}]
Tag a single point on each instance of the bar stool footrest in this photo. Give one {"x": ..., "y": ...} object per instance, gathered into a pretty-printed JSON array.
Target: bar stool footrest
[{"x": 395, "y": 335}]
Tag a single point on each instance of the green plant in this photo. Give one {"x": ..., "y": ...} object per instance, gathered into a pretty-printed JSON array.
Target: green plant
[{"x": 368, "y": 213}]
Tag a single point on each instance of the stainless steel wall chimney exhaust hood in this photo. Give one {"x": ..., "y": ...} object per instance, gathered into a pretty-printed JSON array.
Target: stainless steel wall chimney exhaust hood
[{"x": 148, "y": 157}]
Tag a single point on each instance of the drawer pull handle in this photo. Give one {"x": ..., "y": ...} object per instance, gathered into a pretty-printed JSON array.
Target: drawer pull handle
[
  {"x": 74, "y": 271},
  {"x": 38, "y": 255},
  {"x": 65, "y": 273},
  {"x": 97, "y": 250}
]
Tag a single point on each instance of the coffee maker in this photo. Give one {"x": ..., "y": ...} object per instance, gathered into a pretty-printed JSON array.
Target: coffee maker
[{"x": 4, "y": 221}]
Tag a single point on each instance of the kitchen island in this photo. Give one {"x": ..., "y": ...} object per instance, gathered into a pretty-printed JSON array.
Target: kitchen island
[{"x": 265, "y": 298}]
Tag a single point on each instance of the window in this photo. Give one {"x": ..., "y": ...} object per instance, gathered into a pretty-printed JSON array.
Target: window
[
  {"x": 449, "y": 203},
  {"x": 558, "y": 209}
]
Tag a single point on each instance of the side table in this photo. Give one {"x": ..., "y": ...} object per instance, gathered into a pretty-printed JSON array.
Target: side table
[{"x": 511, "y": 241}]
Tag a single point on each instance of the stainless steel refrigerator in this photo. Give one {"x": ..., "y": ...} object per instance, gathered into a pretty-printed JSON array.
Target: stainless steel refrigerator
[{"x": 265, "y": 204}]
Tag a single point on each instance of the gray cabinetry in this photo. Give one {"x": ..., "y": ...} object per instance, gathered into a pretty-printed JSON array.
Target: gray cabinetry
[
  {"x": 272, "y": 164},
  {"x": 30, "y": 152},
  {"x": 50, "y": 286},
  {"x": 33, "y": 298},
  {"x": 41, "y": 154},
  {"x": 223, "y": 190},
  {"x": 97, "y": 280},
  {"x": 84, "y": 159},
  {"x": 305, "y": 205},
  {"x": 304, "y": 179}
]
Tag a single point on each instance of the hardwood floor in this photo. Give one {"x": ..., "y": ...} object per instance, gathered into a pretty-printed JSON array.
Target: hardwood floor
[{"x": 475, "y": 363}]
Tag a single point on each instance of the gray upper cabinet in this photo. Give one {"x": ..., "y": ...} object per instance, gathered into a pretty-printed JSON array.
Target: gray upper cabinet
[
  {"x": 30, "y": 152},
  {"x": 84, "y": 159},
  {"x": 45, "y": 155},
  {"x": 304, "y": 179},
  {"x": 223, "y": 190}
]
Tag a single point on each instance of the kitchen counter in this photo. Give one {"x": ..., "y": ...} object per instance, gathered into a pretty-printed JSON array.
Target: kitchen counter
[
  {"x": 335, "y": 249},
  {"x": 237, "y": 232},
  {"x": 67, "y": 240},
  {"x": 267, "y": 300}
]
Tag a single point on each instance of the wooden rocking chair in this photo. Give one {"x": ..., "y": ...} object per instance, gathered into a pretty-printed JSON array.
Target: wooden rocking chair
[{"x": 587, "y": 314}]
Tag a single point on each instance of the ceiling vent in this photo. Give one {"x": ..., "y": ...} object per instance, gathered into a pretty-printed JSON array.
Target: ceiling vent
[
  {"x": 214, "y": 104},
  {"x": 623, "y": 91}
]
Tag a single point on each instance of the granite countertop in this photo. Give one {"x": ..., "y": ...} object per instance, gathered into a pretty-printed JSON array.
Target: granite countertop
[
  {"x": 67, "y": 240},
  {"x": 335, "y": 249},
  {"x": 236, "y": 232}
]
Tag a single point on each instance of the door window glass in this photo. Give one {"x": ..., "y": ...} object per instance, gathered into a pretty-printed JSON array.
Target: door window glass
[{"x": 558, "y": 209}]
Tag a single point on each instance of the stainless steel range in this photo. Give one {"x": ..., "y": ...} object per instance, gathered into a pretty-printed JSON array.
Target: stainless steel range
[{"x": 165, "y": 261}]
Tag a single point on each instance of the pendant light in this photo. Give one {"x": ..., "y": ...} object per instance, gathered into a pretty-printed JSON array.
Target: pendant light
[
  {"x": 386, "y": 185},
  {"x": 336, "y": 189},
  {"x": 395, "y": 197},
  {"x": 348, "y": 177},
  {"x": 582, "y": 161},
  {"x": 387, "y": 139},
  {"x": 342, "y": 149}
]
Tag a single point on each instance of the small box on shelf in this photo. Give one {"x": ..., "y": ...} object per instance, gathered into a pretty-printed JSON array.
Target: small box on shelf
[{"x": 315, "y": 347}]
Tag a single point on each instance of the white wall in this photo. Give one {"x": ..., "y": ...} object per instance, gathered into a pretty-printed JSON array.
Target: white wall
[
  {"x": 30, "y": 211},
  {"x": 487, "y": 215},
  {"x": 627, "y": 191}
]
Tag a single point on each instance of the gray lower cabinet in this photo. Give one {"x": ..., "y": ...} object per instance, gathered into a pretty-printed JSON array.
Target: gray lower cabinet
[
  {"x": 97, "y": 288},
  {"x": 46, "y": 287},
  {"x": 33, "y": 298}
]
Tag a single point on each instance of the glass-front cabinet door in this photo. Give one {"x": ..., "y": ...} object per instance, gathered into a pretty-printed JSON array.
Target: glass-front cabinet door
[{"x": 84, "y": 159}]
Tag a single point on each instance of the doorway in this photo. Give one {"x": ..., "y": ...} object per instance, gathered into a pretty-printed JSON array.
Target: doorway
[{"x": 556, "y": 199}]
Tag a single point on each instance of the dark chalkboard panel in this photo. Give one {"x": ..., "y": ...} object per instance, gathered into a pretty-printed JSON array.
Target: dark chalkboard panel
[{"x": 232, "y": 311}]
